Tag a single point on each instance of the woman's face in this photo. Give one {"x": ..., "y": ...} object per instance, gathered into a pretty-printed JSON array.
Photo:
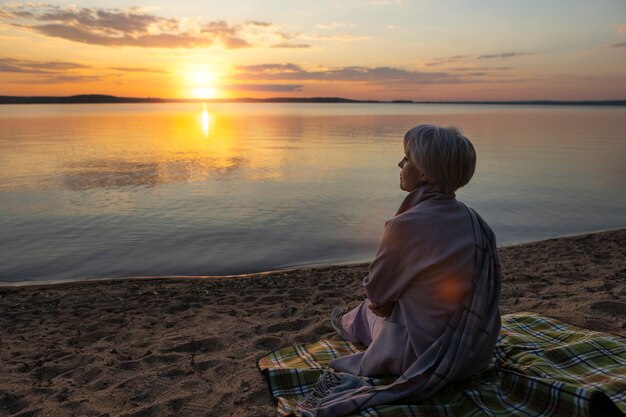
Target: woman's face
[{"x": 410, "y": 176}]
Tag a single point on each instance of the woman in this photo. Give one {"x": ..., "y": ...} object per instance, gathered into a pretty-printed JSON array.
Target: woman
[{"x": 431, "y": 314}]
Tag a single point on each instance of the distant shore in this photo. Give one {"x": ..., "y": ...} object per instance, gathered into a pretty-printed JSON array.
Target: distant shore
[
  {"x": 189, "y": 347},
  {"x": 103, "y": 99}
]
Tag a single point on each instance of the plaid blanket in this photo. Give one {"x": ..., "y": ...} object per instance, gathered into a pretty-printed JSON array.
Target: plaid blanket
[{"x": 541, "y": 367}]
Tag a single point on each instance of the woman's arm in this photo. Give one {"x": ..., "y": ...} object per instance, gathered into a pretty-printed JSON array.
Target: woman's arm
[{"x": 395, "y": 265}]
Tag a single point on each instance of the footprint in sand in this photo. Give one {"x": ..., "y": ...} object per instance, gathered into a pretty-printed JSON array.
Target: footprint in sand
[
  {"x": 11, "y": 403},
  {"x": 317, "y": 332},
  {"x": 269, "y": 343},
  {"x": 204, "y": 366},
  {"x": 298, "y": 293},
  {"x": 613, "y": 308},
  {"x": 161, "y": 359},
  {"x": 177, "y": 308},
  {"x": 293, "y": 325},
  {"x": 210, "y": 344},
  {"x": 271, "y": 299},
  {"x": 173, "y": 373}
]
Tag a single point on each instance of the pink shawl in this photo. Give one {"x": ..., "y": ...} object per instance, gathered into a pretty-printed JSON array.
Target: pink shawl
[{"x": 470, "y": 332}]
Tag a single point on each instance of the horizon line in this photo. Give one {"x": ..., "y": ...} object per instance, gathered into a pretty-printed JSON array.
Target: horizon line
[{"x": 104, "y": 99}]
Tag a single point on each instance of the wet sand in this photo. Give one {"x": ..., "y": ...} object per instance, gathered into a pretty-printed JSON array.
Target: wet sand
[{"x": 188, "y": 347}]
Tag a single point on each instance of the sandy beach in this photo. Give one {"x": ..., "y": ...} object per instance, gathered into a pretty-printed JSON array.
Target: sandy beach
[{"x": 188, "y": 347}]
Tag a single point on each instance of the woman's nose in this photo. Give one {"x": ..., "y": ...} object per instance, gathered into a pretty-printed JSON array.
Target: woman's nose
[{"x": 401, "y": 163}]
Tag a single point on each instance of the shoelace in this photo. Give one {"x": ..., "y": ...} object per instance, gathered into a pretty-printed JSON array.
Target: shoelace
[{"x": 326, "y": 382}]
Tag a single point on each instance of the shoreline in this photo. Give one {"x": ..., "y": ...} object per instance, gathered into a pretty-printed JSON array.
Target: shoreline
[
  {"x": 71, "y": 281},
  {"x": 189, "y": 347}
]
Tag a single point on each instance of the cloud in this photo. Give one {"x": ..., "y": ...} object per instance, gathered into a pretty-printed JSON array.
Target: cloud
[
  {"x": 334, "y": 25},
  {"x": 269, "y": 68},
  {"x": 25, "y": 66},
  {"x": 229, "y": 35},
  {"x": 618, "y": 45},
  {"x": 258, "y": 23},
  {"x": 380, "y": 77},
  {"x": 62, "y": 79},
  {"x": 139, "y": 69},
  {"x": 446, "y": 60},
  {"x": 291, "y": 45},
  {"x": 466, "y": 58},
  {"x": 61, "y": 71},
  {"x": 377, "y": 75},
  {"x": 621, "y": 29},
  {"x": 340, "y": 37},
  {"x": 281, "y": 88},
  {"x": 45, "y": 72},
  {"x": 504, "y": 55},
  {"x": 462, "y": 69},
  {"x": 162, "y": 40},
  {"x": 286, "y": 36},
  {"x": 135, "y": 27}
]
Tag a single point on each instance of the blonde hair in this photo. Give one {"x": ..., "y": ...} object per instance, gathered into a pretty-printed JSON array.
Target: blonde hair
[{"x": 443, "y": 154}]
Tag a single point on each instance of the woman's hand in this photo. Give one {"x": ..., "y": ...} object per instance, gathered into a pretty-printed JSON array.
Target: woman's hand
[{"x": 383, "y": 310}]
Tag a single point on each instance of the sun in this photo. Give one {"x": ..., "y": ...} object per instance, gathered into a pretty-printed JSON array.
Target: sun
[
  {"x": 205, "y": 92},
  {"x": 200, "y": 81}
]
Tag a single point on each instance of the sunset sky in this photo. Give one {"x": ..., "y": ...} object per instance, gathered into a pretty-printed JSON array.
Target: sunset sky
[{"x": 365, "y": 49}]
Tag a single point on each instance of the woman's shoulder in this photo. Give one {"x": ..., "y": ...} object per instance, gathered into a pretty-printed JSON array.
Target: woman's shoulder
[
  {"x": 425, "y": 218},
  {"x": 412, "y": 224},
  {"x": 430, "y": 211}
]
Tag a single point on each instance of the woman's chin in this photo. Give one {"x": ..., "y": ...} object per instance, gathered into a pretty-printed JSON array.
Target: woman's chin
[{"x": 407, "y": 189}]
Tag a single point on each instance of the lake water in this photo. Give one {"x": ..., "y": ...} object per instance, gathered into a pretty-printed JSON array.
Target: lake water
[{"x": 184, "y": 189}]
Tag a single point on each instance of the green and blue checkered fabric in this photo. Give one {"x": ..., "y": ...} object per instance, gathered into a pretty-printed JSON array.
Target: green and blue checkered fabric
[{"x": 541, "y": 367}]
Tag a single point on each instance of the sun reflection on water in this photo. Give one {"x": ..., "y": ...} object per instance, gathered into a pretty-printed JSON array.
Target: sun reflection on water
[{"x": 206, "y": 120}]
